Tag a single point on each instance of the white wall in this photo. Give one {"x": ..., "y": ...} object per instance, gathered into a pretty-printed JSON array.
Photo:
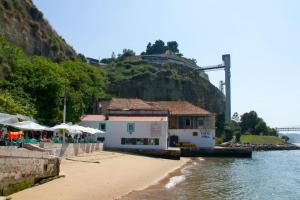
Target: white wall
[
  {"x": 115, "y": 130},
  {"x": 205, "y": 138}
]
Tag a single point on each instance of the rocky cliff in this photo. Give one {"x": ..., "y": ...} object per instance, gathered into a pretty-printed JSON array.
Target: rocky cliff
[
  {"x": 24, "y": 25},
  {"x": 163, "y": 82}
]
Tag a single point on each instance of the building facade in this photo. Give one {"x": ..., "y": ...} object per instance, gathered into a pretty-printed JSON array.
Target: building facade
[
  {"x": 130, "y": 123},
  {"x": 188, "y": 124}
]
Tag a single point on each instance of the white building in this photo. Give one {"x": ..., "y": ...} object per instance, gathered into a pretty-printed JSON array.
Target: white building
[
  {"x": 137, "y": 132},
  {"x": 130, "y": 123}
]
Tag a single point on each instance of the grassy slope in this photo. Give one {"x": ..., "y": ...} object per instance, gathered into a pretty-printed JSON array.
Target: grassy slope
[{"x": 257, "y": 139}]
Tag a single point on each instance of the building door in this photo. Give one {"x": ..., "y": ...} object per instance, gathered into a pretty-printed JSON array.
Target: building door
[{"x": 173, "y": 140}]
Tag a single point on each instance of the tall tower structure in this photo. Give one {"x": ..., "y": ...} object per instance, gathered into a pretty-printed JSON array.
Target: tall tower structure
[{"x": 226, "y": 61}]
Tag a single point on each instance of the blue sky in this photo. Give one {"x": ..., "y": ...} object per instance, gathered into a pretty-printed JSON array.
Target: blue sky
[{"x": 261, "y": 36}]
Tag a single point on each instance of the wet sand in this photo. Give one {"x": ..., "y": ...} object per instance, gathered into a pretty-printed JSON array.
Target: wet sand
[{"x": 115, "y": 175}]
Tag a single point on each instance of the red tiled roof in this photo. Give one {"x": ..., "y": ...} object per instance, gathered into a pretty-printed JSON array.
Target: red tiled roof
[
  {"x": 179, "y": 108},
  {"x": 93, "y": 118},
  {"x": 129, "y": 104},
  {"x": 137, "y": 118}
]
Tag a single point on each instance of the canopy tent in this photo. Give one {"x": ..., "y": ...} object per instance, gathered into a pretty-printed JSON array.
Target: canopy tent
[
  {"x": 6, "y": 119},
  {"x": 29, "y": 125}
]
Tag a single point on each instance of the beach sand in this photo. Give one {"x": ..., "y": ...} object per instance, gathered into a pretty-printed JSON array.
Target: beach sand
[{"x": 116, "y": 175}]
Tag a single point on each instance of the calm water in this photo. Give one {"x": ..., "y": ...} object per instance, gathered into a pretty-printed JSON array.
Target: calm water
[{"x": 268, "y": 175}]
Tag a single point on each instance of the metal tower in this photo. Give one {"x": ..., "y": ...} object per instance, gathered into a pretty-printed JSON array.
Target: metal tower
[{"x": 225, "y": 65}]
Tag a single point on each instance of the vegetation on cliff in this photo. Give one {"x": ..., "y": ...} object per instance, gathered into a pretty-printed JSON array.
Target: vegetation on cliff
[
  {"x": 24, "y": 25},
  {"x": 35, "y": 85}
]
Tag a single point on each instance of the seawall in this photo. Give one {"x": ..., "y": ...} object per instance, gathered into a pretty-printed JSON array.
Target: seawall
[{"x": 21, "y": 168}]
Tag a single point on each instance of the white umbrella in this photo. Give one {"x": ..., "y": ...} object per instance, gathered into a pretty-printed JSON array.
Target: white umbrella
[
  {"x": 93, "y": 130},
  {"x": 86, "y": 129},
  {"x": 62, "y": 126},
  {"x": 29, "y": 125}
]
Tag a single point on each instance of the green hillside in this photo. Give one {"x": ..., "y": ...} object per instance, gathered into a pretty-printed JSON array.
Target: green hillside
[{"x": 35, "y": 85}]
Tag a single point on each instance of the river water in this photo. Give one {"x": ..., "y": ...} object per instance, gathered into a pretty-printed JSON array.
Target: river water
[{"x": 268, "y": 175}]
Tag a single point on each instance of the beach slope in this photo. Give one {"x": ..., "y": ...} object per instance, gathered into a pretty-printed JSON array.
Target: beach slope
[{"x": 115, "y": 175}]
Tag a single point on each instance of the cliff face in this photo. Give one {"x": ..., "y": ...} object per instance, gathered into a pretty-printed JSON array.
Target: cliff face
[
  {"x": 164, "y": 82},
  {"x": 24, "y": 25}
]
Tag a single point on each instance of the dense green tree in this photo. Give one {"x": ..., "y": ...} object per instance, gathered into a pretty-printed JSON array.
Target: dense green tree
[
  {"x": 285, "y": 138},
  {"x": 43, "y": 80},
  {"x": 10, "y": 104},
  {"x": 173, "y": 46},
  {"x": 194, "y": 61},
  {"x": 260, "y": 127},
  {"x": 157, "y": 48},
  {"x": 251, "y": 123},
  {"x": 220, "y": 124},
  {"x": 248, "y": 122},
  {"x": 81, "y": 57},
  {"x": 228, "y": 132},
  {"x": 84, "y": 86},
  {"x": 126, "y": 53},
  {"x": 35, "y": 86}
]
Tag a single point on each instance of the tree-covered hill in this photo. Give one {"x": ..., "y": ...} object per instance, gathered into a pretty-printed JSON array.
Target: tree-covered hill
[{"x": 35, "y": 85}]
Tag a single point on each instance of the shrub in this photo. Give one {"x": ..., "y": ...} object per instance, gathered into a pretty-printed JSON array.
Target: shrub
[
  {"x": 8, "y": 4},
  {"x": 36, "y": 14}
]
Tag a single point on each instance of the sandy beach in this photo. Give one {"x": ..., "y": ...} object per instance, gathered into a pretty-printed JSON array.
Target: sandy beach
[{"x": 102, "y": 175}]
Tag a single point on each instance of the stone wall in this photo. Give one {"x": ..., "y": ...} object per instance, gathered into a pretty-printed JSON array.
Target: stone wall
[
  {"x": 71, "y": 149},
  {"x": 21, "y": 168}
]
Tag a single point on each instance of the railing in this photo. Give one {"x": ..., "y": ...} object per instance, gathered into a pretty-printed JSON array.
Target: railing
[{"x": 296, "y": 129}]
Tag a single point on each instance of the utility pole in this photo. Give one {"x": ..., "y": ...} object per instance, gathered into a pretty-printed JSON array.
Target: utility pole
[
  {"x": 65, "y": 105},
  {"x": 65, "y": 112}
]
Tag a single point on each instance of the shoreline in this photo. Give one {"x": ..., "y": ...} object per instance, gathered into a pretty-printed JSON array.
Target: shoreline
[
  {"x": 115, "y": 176},
  {"x": 268, "y": 147},
  {"x": 161, "y": 182}
]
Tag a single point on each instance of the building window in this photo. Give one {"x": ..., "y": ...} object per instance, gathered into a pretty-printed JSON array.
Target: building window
[
  {"x": 130, "y": 127},
  {"x": 188, "y": 122},
  {"x": 195, "y": 133},
  {"x": 200, "y": 122},
  {"x": 173, "y": 123},
  {"x": 140, "y": 141},
  {"x": 102, "y": 126}
]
